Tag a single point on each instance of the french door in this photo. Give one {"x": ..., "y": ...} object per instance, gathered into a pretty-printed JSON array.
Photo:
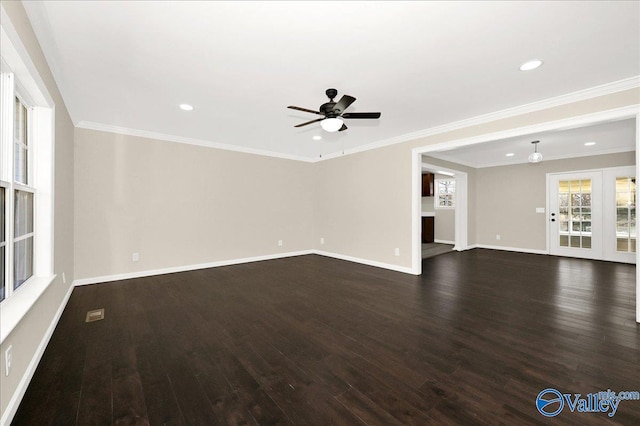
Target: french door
[
  {"x": 592, "y": 214},
  {"x": 575, "y": 209}
]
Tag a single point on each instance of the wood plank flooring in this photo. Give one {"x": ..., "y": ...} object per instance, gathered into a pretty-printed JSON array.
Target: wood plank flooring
[
  {"x": 434, "y": 249},
  {"x": 314, "y": 340}
]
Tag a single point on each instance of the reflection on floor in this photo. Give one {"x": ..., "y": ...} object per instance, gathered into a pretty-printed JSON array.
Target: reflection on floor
[{"x": 434, "y": 249}]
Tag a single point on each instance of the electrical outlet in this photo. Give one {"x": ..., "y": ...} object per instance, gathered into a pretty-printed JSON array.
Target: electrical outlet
[
  {"x": 8, "y": 358},
  {"x": 280, "y": 243},
  {"x": 322, "y": 240},
  {"x": 497, "y": 236},
  {"x": 135, "y": 257},
  {"x": 397, "y": 251}
]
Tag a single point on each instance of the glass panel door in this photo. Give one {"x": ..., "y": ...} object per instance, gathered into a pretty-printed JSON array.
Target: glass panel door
[
  {"x": 574, "y": 197},
  {"x": 575, "y": 215}
]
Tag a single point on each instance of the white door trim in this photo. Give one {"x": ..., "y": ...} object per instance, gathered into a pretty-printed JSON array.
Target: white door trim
[
  {"x": 597, "y": 214},
  {"x": 637, "y": 190}
]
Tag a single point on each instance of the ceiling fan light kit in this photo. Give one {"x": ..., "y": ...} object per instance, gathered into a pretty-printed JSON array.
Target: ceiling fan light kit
[
  {"x": 535, "y": 157},
  {"x": 333, "y": 112},
  {"x": 331, "y": 124}
]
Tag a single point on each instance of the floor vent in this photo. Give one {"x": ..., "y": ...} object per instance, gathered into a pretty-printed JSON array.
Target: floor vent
[{"x": 95, "y": 315}]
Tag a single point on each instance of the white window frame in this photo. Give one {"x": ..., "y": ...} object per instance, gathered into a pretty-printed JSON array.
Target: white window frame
[
  {"x": 436, "y": 198},
  {"x": 15, "y": 186},
  {"x": 19, "y": 77}
]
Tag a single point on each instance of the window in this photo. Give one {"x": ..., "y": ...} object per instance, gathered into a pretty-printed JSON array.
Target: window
[
  {"x": 3, "y": 243},
  {"x": 626, "y": 214},
  {"x": 445, "y": 192},
  {"x": 23, "y": 198},
  {"x": 17, "y": 198},
  {"x": 26, "y": 182}
]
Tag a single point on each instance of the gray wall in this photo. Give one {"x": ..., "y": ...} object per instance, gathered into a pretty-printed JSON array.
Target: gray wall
[
  {"x": 427, "y": 204},
  {"x": 362, "y": 203},
  {"x": 507, "y": 196},
  {"x": 364, "y": 199},
  {"x": 179, "y": 205},
  {"x": 31, "y": 330}
]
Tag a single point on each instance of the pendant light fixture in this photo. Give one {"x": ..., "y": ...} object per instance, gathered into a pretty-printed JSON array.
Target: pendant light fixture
[{"x": 535, "y": 157}]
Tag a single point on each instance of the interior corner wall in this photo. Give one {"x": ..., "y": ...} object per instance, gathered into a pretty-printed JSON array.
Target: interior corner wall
[
  {"x": 524, "y": 186},
  {"x": 180, "y": 205},
  {"x": 364, "y": 206},
  {"x": 365, "y": 198},
  {"x": 29, "y": 336}
]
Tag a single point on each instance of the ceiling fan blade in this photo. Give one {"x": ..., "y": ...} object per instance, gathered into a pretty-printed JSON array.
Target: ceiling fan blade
[
  {"x": 344, "y": 127},
  {"x": 343, "y": 103},
  {"x": 309, "y": 122},
  {"x": 361, "y": 115},
  {"x": 305, "y": 109}
]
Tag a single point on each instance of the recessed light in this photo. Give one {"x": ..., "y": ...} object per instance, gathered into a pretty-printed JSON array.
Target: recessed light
[
  {"x": 186, "y": 107},
  {"x": 510, "y": 154},
  {"x": 589, "y": 143},
  {"x": 317, "y": 138},
  {"x": 530, "y": 65}
]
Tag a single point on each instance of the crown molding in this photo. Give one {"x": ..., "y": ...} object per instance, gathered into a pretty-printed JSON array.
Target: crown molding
[
  {"x": 581, "y": 95},
  {"x": 545, "y": 159},
  {"x": 594, "y": 92},
  {"x": 89, "y": 125}
]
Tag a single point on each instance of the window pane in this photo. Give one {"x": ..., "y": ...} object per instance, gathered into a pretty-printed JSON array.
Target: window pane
[
  {"x": 23, "y": 213},
  {"x": 575, "y": 241},
  {"x": 2, "y": 272},
  {"x": 23, "y": 261},
  {"x": 622, "y": 244},
  {"x": 20, "y": 164},
  {"x": 445, "y": 192},
  {"x": 564, "y": 240},
  {"x": 3, "y": 217},
  {"x": 20, "y": 151},
  {"x": 3, "y": 236}
]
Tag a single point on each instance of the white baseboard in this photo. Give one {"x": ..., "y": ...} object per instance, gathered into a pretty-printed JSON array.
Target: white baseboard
[
  {"x": 406, "y": 270},
  {"x": 171, "y": 270},
  {"x": 516, "y": 249},
  {"x": 149, "y": 273},
  {"x": 17, "y": 396},
  {"x": 444, "y": 241}
]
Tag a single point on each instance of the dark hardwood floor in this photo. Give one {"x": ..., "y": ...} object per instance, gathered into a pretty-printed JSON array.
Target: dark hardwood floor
[{"x": 314, "y": 340}]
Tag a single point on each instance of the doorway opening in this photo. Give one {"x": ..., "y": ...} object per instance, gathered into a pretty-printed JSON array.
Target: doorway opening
[
  {"x": 441, "y": 217},
  {"x": 624, "y": 113}
]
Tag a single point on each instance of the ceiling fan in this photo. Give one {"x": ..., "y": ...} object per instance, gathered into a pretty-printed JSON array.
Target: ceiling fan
[{"x": 333, "y": 112}]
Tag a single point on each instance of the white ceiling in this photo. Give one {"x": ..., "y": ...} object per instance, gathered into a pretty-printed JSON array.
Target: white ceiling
[
  {"x": 128, "y": 64},
  {"x": 611, "y": 137}
]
